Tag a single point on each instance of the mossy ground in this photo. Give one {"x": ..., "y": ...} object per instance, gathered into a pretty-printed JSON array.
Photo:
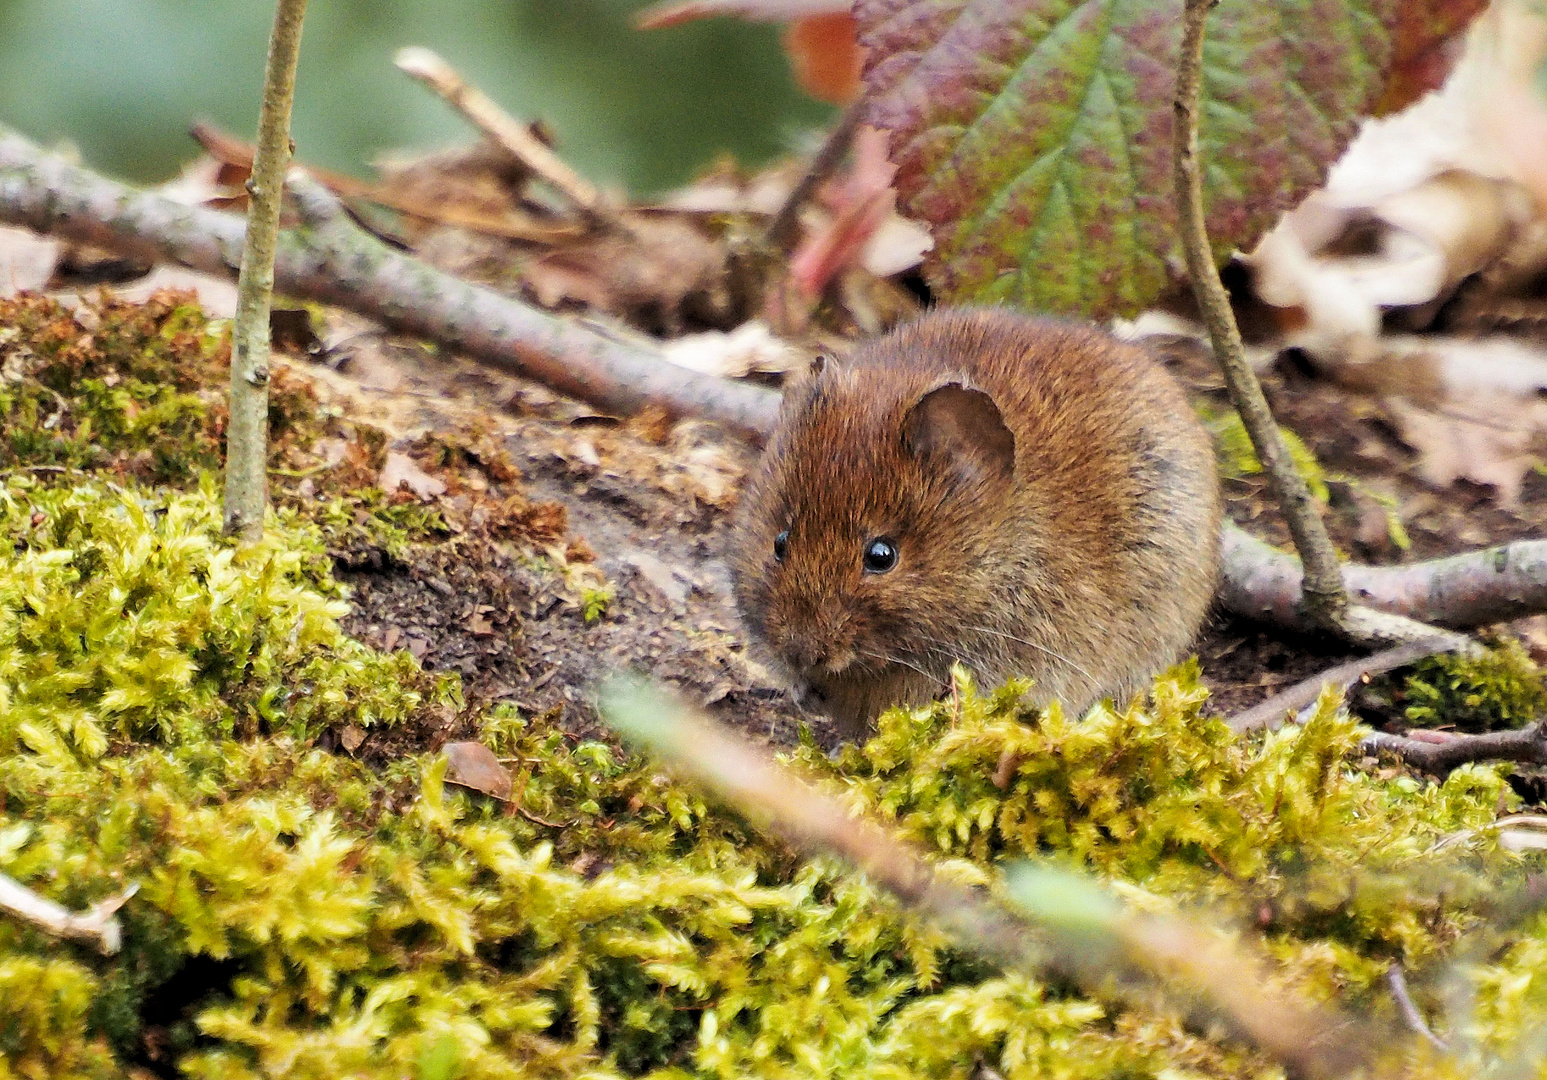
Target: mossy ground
[{"x": 166, "y": 705}]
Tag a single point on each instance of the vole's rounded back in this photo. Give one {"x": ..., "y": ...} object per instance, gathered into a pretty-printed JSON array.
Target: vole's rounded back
[{"x": 1022, "y": 496}]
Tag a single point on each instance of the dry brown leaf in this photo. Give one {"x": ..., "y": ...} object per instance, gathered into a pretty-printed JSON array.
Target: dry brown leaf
[
  {"x": 401, "y": 469},
  {"x": 473, "y": 765}
]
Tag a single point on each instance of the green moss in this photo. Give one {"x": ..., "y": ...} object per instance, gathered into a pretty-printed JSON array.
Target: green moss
[
  {"x": 1501, "y": 688},
  {"x": 1238, "y": 458},
  {"x": 125, "y": 616}
]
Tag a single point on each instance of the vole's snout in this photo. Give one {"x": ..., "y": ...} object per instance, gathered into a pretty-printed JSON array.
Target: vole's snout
[{"x": 815, "y": 645}]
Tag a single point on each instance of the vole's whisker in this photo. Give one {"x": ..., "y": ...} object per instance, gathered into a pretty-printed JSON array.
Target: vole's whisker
[
  {"x": 1056, "y": 655},
  {"x": 885, "y": 659}
]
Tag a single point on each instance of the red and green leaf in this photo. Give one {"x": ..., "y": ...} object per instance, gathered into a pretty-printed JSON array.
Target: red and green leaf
[{"x": 1034, "y": 136}]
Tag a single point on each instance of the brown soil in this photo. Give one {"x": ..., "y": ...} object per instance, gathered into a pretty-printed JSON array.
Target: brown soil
[{"x": 652, "y": 501}]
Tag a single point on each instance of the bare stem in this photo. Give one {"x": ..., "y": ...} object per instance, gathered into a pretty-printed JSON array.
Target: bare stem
[
  {"x": 247, "y": 435},
  {"x": 1323, "y": 595},
  {"x": 785, "y": 226},
  {"x": 430, "y": 69}
]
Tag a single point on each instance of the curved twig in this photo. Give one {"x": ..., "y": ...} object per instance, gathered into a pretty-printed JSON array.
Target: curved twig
[
  {"x": 338, "y": 263},
  {"x": 1323, "y": 595}
]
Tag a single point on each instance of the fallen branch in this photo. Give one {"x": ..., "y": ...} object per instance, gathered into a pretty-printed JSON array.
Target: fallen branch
[
  {"x": 1083, "y": 930},
  {"x": 98, "y": 924},
  {"x": 428, "y": 67},
  {"x": 1451, "y": 750},
  {"x": 1302, "y": 695},
  {"x": 334, "y": 261},
  {"x": 1475, "y": 589}
]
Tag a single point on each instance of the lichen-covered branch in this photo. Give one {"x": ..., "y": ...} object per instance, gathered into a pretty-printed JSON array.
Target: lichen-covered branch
[
  {"x": 1475, "y": 589},
  {"x": 247, "y": 435},
  {"x": 341, "y": 264}
]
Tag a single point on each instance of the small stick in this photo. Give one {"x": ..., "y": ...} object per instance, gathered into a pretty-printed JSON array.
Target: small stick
[
  {"x": 235, "y": 152},
  {"x": 1527, "y": 744},
  {"x": 247, "y": 433},
  {"x": 785, "y": 226},
  {"x": 488, "y": 117},
  {"x": 1410, "y": 1014},
  {"x": 97, "y": 924},
  {"x": 1323, "y": 594},
  {"x": 1270, "y": 713}
]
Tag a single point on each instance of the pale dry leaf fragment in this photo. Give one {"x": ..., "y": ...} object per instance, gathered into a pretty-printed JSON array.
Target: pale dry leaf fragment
[
  {"x": 401, "y": 469},
  {"x": 752, "y": 346},
  {"x": 473, "y": 765},
  {"x": 1485, "y": 438},
  {"x": 351, "y": 737}
]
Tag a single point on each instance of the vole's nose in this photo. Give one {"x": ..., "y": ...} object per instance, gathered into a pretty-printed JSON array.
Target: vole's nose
[{"x": 805, "y": 653}]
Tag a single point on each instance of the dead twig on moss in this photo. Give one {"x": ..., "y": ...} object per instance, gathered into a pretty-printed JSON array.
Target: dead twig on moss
[
  {"x": 334, "y": 261},
  {"x": 1082, "y": 930},
  {"x": 98, "y": 924},
  {"x": 430, "y": 69},
  {"x": 1410, "y": 1014},
  {"x": 247, "y": 435},
  {"x": 1272, "y": 712},
  {"x": 1439, "y": 752}
]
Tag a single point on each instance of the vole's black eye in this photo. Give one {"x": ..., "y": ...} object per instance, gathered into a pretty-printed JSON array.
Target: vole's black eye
[
  {"x": 781, "y": 542},
  {"x": 880, "y": 555}
]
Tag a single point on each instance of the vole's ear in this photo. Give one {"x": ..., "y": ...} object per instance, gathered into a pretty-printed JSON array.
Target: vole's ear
[{"x": 956, "y": 423}]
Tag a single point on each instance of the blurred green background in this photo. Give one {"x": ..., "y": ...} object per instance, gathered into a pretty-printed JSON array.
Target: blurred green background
[{"x": 123, "y": 79}]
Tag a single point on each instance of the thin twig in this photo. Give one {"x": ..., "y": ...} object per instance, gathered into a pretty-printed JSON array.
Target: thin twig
[
  {"x": 97, "y": 924},
  {"x": 1527, "y": 745},
  {"x": 515, "y": 137},
  {"x": 1410, "y": 1014},
  {"x": 1083, "y": 930},
  {"x": 1271, "y": 713},
  {"x": 336, "y": 262},
  {"x": 1323, "y": 593},
  {"x": 785, "y": 226},
  {"x": 229, "y": 150},
  {"x": 248, "y": 430}
]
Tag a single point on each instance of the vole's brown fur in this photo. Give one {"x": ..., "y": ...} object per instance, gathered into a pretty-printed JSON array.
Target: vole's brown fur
[{"x": 1084, "y": 555}]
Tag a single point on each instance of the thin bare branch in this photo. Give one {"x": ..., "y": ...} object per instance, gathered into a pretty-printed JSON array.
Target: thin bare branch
[
  {"x": 1272, "y": 712},
  {"x": 1083, "y": 930},
  {"x": 336, "y": 262},
  {"x": 1450, "y": 750},
  {"x": 247, "y": 435},
  {"x": 785, "y": 226},
  {"x": 1323, "y": 594},
  {"x": 430, "y": 69},
  {"x": 98, "y": 924}
]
